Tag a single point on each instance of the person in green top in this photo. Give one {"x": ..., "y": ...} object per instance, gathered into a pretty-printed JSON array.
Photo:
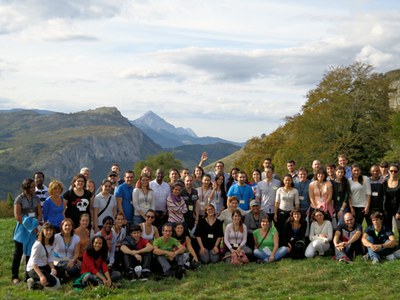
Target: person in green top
[
  {"x": 168, "y": 252},
  {"x": 266, "y": 243}
]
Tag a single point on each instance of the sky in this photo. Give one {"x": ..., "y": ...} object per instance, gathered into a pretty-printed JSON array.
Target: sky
[{"x": 228, "y": 68}]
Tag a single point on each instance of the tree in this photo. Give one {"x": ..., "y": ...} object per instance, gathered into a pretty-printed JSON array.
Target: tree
[
  {"x": 10, "y": 201},
  {"x": 163, "y": 160},
  {"x": 347, "y": 113}
]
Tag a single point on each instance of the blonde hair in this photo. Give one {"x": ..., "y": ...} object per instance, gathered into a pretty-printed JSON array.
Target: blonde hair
[{"x": 55, "y": 184}]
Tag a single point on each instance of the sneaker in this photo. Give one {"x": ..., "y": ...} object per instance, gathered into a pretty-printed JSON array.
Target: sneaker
[
  {"x": 366, "y": 257},
  {"x": 31, "y": 283},
  {"x": 138, "y": 271},
  {"x": 179, "y": 274},
  {"x": 390, "y": 257},
  {"x": 375, "y": 261},
  {"x": 345, "y": 259},
  {"x": 15, "y": 281},
  {"x": 396, "y": 254}
]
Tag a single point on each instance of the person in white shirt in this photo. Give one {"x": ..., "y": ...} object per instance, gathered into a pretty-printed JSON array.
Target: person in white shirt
[{"x": 161, "y": 191}]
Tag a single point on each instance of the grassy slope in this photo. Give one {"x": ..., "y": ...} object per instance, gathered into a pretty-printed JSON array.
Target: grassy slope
[{"x": 320, "y": 278}]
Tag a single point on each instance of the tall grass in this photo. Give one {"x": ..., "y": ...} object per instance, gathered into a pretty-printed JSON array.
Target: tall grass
[{"x": 319, "y": 278}]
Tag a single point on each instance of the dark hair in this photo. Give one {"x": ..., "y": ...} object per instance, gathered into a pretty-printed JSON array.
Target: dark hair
[
  {"x": 76, "y": 177},
  {"x": 219, "y": 162},
  {"x": 175, "y": 170},
  {"x": 344, "y": 183},
  {"x": 238, "y": 212},
  {"x": 231, "y": 179},
  {"x": 41, "y": 237},
  {"x": 295, "y": 210},
  {"x": 64, "y": 221},
  {"x": 208, "y": 176},
  {"x": 360, "y": 178},
  {"x": 377, "y": 215},
  {"x": 330, "y": 165},
  {"x": 135, "y": 227},
  {"x": 317, "y": 210},
  {"x": 38, "y": 173},
  {"x": 394, "y": 165},
  {"x": 168, "y": 224},
  {"x": 26, "y": 184},
  {"x": 321, "y": 171},
  {"x": 194, "y": 171},
  {"x": 256, "y": 170},
  {"x": 103, "y": 252},
  {"x": 104, "y": 181},
  {"x": 291, "y": 162},
  {"x": 129, "y": 172},
  {"x": 107, "y": 219},
  {"x": 223, "y": 190},
  {"x": 289, "y": 176}
]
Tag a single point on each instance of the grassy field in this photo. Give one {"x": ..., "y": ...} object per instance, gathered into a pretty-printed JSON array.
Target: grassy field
[{"x": 320, "y": 278}]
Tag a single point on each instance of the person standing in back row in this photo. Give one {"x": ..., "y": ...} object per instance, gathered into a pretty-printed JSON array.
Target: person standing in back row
[
  {"x": 123, "y": 195},
  {"x": 242, "y": 191}
]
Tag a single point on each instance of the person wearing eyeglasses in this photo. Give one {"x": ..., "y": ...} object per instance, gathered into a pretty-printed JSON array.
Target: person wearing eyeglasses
[
  {"x": 149, "y": 231},
  {"x": 320, "y": 234},
  {"x": 392, "y": 194}
]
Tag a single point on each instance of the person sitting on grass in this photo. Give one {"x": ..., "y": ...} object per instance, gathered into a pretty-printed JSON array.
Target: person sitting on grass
[
  {"x": 191, "y": 261},
  {"x": 379, "y": 240},
  {"x": 40, "y": 265},
  {"x": 66, "y": 251},
  {"x": 168, "y": 252},
  {"x": 266, "y": 243},
  {"x": 94, "y": 270},
  {"x": 107, "y": 233},
  {"x": 137, "y": 254},
  {"x": 320, "y": 234},
  {"x": 347, "y": 239}
]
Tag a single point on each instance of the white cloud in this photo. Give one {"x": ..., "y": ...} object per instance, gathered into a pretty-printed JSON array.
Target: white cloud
[{"x": 233, "y": 68}]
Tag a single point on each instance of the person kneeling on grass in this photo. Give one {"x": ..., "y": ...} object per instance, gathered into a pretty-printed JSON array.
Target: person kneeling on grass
[
  {"x": 137, "y": 254},
  {"x": 40, "y": 265},
  {"x": 379, "y": 240},
  {"x": 266, "y": 243},
  {"x": 94, "y": 269},
  {"x": 347, "y": 239},
  {"x": 168, "y": 252}
]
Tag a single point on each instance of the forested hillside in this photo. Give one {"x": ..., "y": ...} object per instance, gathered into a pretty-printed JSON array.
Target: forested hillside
[{"x": 347, "y": 112}]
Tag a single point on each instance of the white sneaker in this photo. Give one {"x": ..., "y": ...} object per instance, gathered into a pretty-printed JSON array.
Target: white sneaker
[
  {"x": 138, "y": 271},
  {"x": 31, "y": 283}
]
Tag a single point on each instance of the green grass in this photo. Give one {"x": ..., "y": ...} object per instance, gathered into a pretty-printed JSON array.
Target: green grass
[{"x": 320, "y": 278}]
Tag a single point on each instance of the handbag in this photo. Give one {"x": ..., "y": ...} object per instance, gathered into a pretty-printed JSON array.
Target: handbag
[{"x": 239, "y": 258}]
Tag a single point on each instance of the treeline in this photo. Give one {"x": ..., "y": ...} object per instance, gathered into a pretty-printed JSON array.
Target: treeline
[{"x": 348, "y": 112}]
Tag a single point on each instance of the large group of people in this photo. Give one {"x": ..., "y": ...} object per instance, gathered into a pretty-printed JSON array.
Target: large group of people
[{"x": 134, "y": 229}]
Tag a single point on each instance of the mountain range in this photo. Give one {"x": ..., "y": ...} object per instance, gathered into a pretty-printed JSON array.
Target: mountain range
[
  {"x": 59, "y": 144},
  {"x": 168, "y": 136}
]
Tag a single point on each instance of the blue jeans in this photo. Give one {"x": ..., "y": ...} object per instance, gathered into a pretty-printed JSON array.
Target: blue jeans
[
  {"x": 381, "y": 252},
  {"x": 280, "y": 253}
]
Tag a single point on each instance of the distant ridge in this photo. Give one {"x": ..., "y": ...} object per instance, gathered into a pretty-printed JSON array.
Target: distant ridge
[{"x": 169, "y": 136}]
